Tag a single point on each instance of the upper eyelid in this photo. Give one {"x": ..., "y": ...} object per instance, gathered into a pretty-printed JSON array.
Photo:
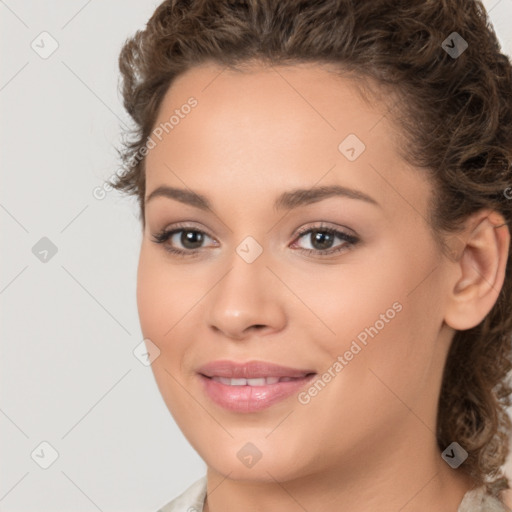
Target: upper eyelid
[{"x": 191, "y": 227}]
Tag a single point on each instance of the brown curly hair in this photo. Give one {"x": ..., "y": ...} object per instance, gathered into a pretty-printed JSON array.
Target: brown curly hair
[{"x": 456, "y": 115}]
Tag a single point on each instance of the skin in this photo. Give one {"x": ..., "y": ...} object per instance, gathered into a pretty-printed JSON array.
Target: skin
[{"x": 366, "y": 441}]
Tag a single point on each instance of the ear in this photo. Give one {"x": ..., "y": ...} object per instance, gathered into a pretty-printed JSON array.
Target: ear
[{"x": 478, "y": 269}]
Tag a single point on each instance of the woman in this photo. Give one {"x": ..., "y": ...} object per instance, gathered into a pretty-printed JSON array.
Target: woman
[{"x": 324, "y": 282}]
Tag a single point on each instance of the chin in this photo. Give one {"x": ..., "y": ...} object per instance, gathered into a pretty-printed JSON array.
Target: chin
[{"x": 272, "y": 466}]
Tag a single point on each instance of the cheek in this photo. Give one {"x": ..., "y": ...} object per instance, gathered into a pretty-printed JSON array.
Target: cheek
[
  {"x": 166, "y": 302},
  {"x": 149, "y": 298},
  {"x": 384, "y": 316},
  {"x": 157, "y": 299},
  {"x": 159, "y": 308}
]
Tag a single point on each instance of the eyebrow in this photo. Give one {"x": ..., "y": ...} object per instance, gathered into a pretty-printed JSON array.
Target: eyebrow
[{"x": 286, "y": 201}]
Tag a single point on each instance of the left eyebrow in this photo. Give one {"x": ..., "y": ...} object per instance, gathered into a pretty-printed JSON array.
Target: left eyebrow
[
  {"x": 302, "y": 197},
  {"x": 287, "y": 200}
]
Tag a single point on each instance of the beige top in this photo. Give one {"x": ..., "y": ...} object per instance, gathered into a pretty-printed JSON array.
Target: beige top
[{"x": 192, "y": 500}]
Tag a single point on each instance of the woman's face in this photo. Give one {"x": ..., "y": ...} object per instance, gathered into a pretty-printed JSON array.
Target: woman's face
[{"x": 361, "y": 307}]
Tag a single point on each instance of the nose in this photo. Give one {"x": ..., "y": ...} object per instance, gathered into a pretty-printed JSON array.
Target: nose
[{"x": 248, "y": 299}]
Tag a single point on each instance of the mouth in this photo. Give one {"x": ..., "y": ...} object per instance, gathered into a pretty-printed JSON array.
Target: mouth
[{"x": 251, "y": 387}]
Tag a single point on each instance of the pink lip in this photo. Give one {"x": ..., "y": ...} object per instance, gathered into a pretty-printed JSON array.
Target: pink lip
[
  {"x": 249, "y": 370},
  {"x": 247, "y": 398}
]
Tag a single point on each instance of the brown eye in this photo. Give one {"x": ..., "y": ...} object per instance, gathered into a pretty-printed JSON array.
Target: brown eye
[
  {"x": 191, "y": 239},
  {"x": 322, "y": 239}
]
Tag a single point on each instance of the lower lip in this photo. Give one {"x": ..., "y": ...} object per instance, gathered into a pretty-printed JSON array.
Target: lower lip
[{"x": 251, "y": 398}]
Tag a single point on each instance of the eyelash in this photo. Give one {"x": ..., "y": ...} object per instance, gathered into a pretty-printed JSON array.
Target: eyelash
[{"x": 164, "y": 235}]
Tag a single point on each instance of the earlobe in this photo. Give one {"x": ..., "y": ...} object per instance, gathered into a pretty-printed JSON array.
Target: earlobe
[{"x": 480, "y": 270}]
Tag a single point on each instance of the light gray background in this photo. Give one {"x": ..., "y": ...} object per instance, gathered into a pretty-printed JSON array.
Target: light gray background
[{"x": 69, "y": 326}]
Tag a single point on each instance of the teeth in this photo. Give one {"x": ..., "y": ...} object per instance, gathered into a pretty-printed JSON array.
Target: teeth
[
  {"x": 237, "y": 382},
  {"x": 261, "y": 381}
]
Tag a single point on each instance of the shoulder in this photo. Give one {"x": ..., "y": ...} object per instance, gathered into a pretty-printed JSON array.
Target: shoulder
[
  {"x": 478, "y": 500},
  {"x": 190, "y": 500}
]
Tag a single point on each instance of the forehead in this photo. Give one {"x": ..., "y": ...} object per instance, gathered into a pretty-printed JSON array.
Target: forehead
[
  {"x": 302, "y": 94},
  {"x": 273, "y": 128}
]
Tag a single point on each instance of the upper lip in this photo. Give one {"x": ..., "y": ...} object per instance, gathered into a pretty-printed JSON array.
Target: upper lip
[{"x": 249, "y": 370}]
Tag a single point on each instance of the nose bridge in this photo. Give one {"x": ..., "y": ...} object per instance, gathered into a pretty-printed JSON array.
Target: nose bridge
[{"x": 245, "y": 281}]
